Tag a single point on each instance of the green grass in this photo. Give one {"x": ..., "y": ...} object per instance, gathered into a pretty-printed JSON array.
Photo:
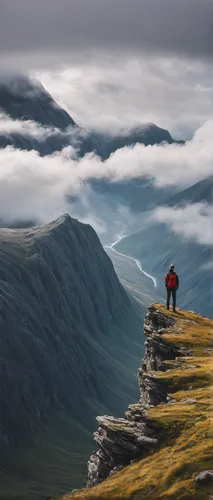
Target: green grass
[{"x": 186, "y": 446}]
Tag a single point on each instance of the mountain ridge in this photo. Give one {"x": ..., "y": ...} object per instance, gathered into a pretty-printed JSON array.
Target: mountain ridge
[{"x": 65, "y": 322}]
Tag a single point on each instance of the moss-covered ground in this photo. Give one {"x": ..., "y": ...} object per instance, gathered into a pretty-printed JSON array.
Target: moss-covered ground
[{"x": 186, "y": 444}]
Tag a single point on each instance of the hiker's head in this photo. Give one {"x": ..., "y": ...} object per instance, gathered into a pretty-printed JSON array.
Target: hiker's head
[{"x": 172, "y": 267}]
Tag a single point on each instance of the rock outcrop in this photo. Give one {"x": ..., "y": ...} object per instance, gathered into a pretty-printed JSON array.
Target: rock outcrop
[
  {"x": 205, "y": 480},
  {"x": 164, "y": 443},
  {"x": 122, "y": 440}
]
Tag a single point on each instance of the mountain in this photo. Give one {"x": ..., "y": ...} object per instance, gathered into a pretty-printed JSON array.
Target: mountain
[
  {"x": 162, "y": 447},
  {"x": 157, "y": 246},
  {"x": 51, "y": 129},
  {"x": 147, "y": 134},
  {"x": 137, "y": 194},
  {"x": 25, "y": 99},
  {"x": 201, "y": 191},
  {"x": 70, "y": 343}
]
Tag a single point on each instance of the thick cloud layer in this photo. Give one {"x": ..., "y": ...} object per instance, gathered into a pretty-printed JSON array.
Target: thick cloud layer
[
  {"x": 36, "y": 187},
  {"x": 27, "y": 128},
  {"x": 174, "y": 93},
  {"x": 194, "y": 222},
  {"x": 69, "y": 26}
]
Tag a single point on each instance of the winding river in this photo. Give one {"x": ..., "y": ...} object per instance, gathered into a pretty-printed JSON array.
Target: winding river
[{"x": 137, "y": 262}]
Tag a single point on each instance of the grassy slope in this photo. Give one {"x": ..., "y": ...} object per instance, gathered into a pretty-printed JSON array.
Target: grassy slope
[{"x": 186, "y": 445}]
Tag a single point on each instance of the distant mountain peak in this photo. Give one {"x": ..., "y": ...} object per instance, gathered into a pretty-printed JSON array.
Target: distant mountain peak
[{"x": 24, "y": 98}]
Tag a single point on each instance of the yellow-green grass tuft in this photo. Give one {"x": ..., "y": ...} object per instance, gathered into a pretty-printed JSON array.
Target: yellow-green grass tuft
[{"x": 186, "y": 442}]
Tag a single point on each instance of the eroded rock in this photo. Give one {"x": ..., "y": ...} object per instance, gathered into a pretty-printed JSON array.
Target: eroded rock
[
  {"x": 122, "y": 441},
  {"x": 205, "y": 480}
]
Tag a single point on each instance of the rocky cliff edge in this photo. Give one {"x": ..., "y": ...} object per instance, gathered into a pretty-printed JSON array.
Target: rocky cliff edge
[{"x": 162, "y": 448}]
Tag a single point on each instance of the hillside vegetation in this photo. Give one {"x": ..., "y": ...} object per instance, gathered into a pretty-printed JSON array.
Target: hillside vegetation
[{"x": 185, "y": 424}]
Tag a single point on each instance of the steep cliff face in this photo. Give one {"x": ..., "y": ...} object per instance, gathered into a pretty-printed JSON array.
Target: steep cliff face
[
  {"x": 166, "y": 437},
  {"x": 131, "y": 438},
  {"x": 65, "y": 326}
]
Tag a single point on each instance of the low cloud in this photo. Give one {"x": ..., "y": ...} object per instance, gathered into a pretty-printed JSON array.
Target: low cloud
[
  {"x": 27, "y": 128},
  {"x": 30, "y": 129},
  {"x": 193, "y": 222},
  {"x": 34, "y": 186},
  {"x": 124, "y": 92}
]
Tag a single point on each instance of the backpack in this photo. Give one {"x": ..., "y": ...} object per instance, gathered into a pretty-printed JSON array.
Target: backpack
[{"x": 171, "y": 280}]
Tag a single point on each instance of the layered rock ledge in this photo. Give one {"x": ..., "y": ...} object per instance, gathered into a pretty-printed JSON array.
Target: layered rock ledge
[
  {"x": 164, "y": 442},
  {"x": 122, "y": 440}
]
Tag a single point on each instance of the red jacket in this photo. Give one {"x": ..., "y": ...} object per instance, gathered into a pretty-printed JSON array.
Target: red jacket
[{"x": 172, "y": 280}]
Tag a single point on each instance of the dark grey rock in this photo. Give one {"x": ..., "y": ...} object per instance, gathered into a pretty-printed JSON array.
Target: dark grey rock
[
  {"x": 205, "y": 479},
  {"x": 116, "y": 469},
  {"x": 120, "y": 440}
]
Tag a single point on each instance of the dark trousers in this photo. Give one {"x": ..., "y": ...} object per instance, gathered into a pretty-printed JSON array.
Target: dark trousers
[{"x": 171, "y": 291}]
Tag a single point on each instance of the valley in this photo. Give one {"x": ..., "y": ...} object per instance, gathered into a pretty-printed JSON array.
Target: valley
[
  {"x": 137, "y": 262},
  {"x": 74, "y": 288}
]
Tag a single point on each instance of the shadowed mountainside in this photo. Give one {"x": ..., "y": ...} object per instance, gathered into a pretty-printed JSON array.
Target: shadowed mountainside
[
  {"x": 22, "y": 98},
  {"x": 25, "y": 99},
  {"x": 65, "y": 333}
]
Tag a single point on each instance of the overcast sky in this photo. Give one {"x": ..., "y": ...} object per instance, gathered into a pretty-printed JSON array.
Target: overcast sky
[
  {"x": 116, "y": 63},
  {"x": 67, "y": 26}
]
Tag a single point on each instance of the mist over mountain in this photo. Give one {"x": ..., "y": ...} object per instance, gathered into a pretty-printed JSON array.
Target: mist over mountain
[
  {"x": 31, "y": 120},
  {"x": 22, "y": 98},
  {"x": 65, "y": 328},
  {"x": 147, "y": 134},
  {"x": 26, "y": 100},
  {"x": 198, "y": 192}
]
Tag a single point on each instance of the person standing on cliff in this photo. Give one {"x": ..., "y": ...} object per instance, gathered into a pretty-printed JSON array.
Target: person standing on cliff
[{"x": 172, "y": 285}]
